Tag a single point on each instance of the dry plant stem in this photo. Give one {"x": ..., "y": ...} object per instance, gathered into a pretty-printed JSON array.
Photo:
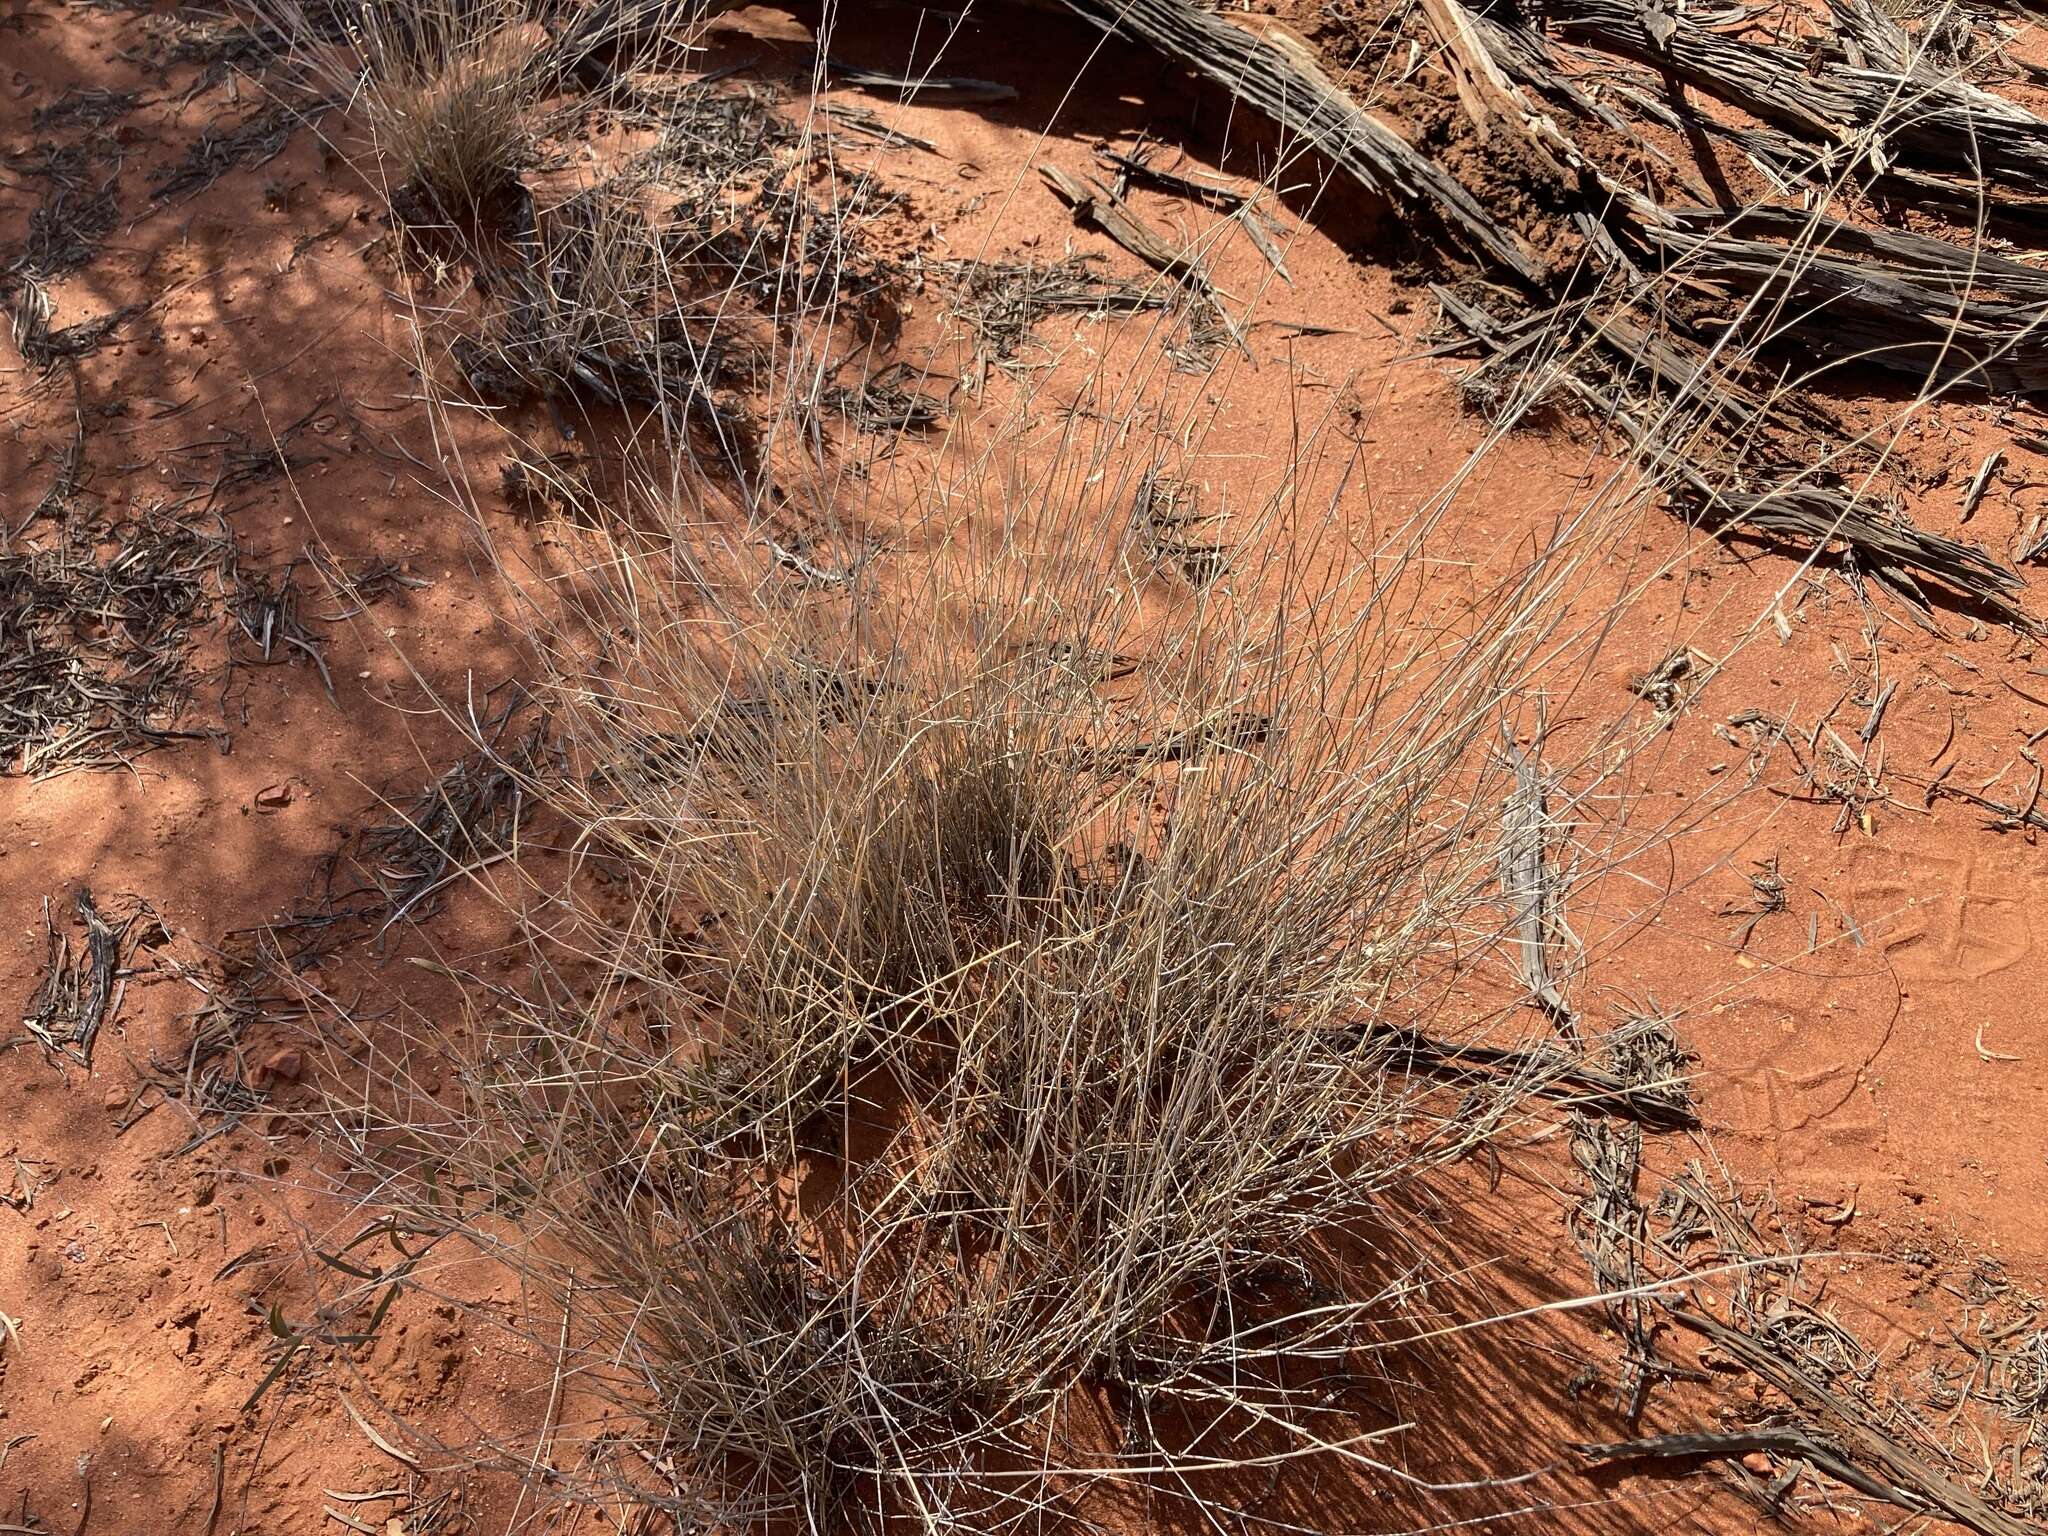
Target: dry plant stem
[{"x": 1931, "y": 1488}]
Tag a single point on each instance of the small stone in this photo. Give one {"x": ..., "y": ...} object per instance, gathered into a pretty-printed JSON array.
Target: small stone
[
  {"x": 280, "y": 1066},
  {"x": 116, "y": 1098}
]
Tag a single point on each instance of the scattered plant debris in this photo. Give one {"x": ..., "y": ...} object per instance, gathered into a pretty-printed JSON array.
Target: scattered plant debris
[
  {"x": 79, "y": 991},
  {"x": 401, "y": 870},
  {"x": 256, "y": 140},
  {"x": 97, "y": 629},
  {"x": 1000, "y": 302}
]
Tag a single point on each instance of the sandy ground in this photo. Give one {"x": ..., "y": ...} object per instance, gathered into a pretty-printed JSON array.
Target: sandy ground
[{"x": 1871, "y": 1058}]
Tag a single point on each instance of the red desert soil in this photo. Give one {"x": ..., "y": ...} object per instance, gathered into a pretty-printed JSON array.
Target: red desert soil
[{"x": 1887, "y": 1088}]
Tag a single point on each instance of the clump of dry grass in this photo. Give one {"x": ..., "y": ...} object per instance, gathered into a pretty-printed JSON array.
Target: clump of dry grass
[
  {"x": 447, "y": 92},
  {"x": 453, "y": 115},
  {"x": 979, "y": 1096},
  {"x": 972, "y": 1087}
]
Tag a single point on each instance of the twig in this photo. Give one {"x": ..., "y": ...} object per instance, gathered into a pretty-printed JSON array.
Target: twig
[
  {"x": 1973, "y": 493},
  {"x": 911, "y": 87},
  {"x": 1097, "y": 206}
]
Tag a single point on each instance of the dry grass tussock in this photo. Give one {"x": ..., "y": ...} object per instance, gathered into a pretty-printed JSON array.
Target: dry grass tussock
[
  {"x": 982, "y": 1090},
  {"x": 973, "y": 1080},
  {"x": 453, "y": 97}
]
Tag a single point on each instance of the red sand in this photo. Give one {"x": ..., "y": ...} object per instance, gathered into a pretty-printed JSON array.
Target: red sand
[{"x": 1892, "y": 1089}]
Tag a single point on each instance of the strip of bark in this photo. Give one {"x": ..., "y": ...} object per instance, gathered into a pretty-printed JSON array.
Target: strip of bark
[
  {"x": 1787, "y": 504},
  {"x": 1106, "y": 212}
]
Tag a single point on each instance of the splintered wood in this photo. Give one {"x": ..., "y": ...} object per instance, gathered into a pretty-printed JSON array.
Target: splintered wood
[{"x": 1707, "y": 419}]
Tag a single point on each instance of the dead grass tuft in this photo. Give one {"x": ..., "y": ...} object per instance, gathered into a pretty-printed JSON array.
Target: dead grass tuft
[
  {"x": 983, "y": 1095},
  {"x": 447, "y": 93}
]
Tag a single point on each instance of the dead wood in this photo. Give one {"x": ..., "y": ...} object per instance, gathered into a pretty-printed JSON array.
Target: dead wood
[
  {"x": 1529, "y": 884},
  {"x": 1492, "y": 100},
  {"x": 1961, "y": 272},
  {"x": 1908, "y": 304},
  {"x": 1923, "y": 1487},
  {"x": 1934, "y": 121},
  {"x": 1756, "y": 493},
  {"x": 1292, "y": 91},
  {"x": 1547, "y": 1071},
  {"x": 1938, "y": 312},
  {"x": 920, "y": 87},
  {"x": 1790, "y": 1442},
  {"x": 1102, "y": 209},
  {"x": 1141, "y": 169}
]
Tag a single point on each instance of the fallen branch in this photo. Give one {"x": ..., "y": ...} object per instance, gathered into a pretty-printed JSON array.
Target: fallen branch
[
  {"x": 1290, "y": 89},
  {"x": 1526, "y": 879},
  {"x": 1104, "y": 210},
  {"x": 1907, "y": 1478},
  {"x": 919, "y": 87},
  {"x": 1935, "y": 121},
  {"x": 1794, "y": 1443},
  {"x": 1785, "y": 503},
  {"x": 1908, "y": 304},
  {"x": 1549, "y": 1073}
]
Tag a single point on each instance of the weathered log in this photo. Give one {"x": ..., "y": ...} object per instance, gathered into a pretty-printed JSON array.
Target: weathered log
[
  {"x": 1935, "y": 122},
  {"x": 1905, "y": 303},
  {"x": 1754, "y": 494},
  {"x": 1287, "y": 87}
]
